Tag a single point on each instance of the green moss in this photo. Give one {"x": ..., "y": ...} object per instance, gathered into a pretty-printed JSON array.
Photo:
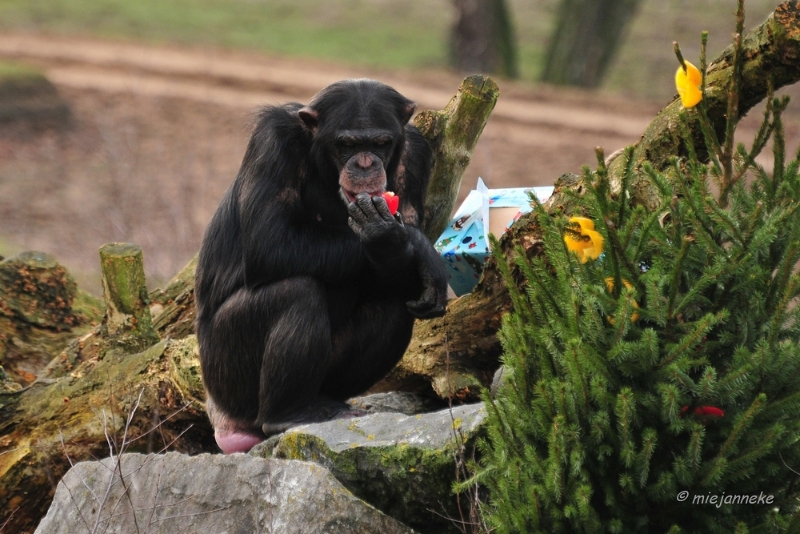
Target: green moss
[
  {"x": 185, "y": 360},
  {"x": 87, "y": 306},
  {"x": 72, "y": 402},
  {"x": 403, "y": 481}
]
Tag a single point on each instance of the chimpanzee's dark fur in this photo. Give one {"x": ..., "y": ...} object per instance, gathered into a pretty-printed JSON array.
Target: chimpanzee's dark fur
[{"x": 307, "y": 287}]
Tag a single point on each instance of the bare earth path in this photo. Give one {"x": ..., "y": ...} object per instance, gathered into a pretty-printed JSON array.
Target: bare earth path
[{"x": 158, "y": 134}]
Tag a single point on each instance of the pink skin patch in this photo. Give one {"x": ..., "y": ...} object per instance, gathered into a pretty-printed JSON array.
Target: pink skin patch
[
  {"x": 231, "y": 442},
  {"x": 232, "y": 435}
]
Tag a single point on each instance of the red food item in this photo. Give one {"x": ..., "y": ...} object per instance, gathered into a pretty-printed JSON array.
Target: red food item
[
  {"x": 704, "y": 411},
  {"x": 711, "y": 411},
  {"x": 392, "y": 200}
]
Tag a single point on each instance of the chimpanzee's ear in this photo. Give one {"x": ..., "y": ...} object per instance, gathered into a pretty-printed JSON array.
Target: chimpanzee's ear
[
  {"x": 310, "y": 117},
  {"x": 408, "y": 111}
]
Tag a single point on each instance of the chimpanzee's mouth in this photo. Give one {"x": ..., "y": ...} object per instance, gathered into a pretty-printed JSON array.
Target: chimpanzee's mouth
[
  {"x": 347, "y": 196},
  {"x": 350, "y": 196}
]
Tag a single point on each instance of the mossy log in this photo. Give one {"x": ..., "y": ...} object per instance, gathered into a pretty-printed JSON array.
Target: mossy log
[
  {"x": 771, "y": 54},
  {"x": 145, "y": 402},
  {"x": 127, "y": 317},
  {"x": 116, "y": 387}
]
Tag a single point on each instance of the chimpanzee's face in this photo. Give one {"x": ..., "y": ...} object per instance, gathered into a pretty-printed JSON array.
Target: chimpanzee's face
[
  {"x": 362, "y": 158},
  {"x": 358, "y": 127}
]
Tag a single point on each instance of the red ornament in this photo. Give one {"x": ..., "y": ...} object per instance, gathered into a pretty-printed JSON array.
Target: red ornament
[{"x": 392, "y": 200}]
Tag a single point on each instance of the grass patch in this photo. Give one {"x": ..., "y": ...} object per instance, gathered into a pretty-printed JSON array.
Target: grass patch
[
  {"x": 11, "y": 70},
  {"x": 397, "y": 33}
]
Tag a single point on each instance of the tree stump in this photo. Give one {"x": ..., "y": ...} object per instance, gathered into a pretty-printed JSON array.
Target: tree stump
[
  {"x": 127, "y": 318},
  {"x": 453, "y": 133}
]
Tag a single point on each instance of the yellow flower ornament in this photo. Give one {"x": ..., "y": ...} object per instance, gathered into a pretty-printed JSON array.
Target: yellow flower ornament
[
  {"x": 583, "y": 240},
  {"x": 688, "y": 83}
]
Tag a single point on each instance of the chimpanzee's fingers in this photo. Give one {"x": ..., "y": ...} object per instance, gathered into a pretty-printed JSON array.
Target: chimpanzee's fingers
[
  {"x": 425, "y": 310},
  {"x": 428, "y": 306},
  {"x": 364, "y": 201},
  {"x": 357, "y": 212},
  {"x": 383, "y": 208},
  {"x": 354, "y": 226}
]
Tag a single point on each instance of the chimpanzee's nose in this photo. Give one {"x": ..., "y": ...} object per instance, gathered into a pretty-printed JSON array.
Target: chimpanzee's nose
[{"x": 365, "y": 161}]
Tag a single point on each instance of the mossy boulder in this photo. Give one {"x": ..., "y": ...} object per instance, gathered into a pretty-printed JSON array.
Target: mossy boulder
[{"x": 403, "y": 465}]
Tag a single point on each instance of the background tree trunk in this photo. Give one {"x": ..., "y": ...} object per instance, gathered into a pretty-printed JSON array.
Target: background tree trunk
[
  {"x": 482, "y": 39},
  {"x": 586, "y": 37}
]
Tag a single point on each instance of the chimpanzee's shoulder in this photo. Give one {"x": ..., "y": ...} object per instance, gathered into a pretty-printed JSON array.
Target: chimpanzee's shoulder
[
  {"x": 416, "y": 141},
  {"x": 283, "y": 118}
]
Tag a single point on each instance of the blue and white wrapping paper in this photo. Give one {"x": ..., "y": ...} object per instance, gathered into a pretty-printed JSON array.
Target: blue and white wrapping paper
[{"x": 464, "y": 245}]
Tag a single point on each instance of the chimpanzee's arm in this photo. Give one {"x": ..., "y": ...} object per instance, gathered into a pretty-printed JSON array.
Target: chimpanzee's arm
[
  {"x": 278, "y": 244},
  {"x": 405, "y": 250},
  {"x": 401, "y": 256},
  {"x": 279, "y": 238},
  {"x": 412, "y": 184},
  {"x": 430, "y": 269}
]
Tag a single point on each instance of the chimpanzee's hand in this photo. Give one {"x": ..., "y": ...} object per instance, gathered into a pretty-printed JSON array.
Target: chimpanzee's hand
[
  {"x": 377, "y": 228},
  {"x": 433, "y": 301}
]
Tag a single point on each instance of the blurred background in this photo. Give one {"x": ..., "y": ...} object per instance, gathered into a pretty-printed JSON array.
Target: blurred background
[{"x": 126, "y": 121}]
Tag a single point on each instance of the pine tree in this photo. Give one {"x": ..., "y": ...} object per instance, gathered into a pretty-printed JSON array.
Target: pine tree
[{"x": 666, "y": 372}]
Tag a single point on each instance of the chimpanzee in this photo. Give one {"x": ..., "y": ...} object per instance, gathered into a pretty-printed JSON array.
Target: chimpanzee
[{"x": 307, "y": 287}]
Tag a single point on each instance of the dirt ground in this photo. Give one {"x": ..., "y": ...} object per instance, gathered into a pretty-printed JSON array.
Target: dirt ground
[{"x": 157, "y": 135}]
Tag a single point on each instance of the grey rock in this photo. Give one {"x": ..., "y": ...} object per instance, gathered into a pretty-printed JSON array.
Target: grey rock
[
  {"x": 500, "y": 379},
  {"x": 174, "y": 493},
  {"x": 403, "y": 465},
  {"x": 396, "y": 401}
]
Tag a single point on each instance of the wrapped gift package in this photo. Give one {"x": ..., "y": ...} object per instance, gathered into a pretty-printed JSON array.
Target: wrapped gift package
[{"x": 464, "y": 245}]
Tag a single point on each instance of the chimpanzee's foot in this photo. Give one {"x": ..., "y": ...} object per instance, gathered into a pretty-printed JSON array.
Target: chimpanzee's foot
[
  {"x": 232, "y": 435},
  {"x": 324, "y": 410},
  {"x": 230, "y": 442}
]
